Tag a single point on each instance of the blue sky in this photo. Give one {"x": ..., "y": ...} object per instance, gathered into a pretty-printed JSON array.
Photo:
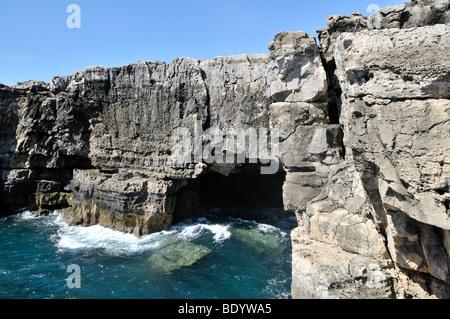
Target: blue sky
[{"x": 37, "y": 44}]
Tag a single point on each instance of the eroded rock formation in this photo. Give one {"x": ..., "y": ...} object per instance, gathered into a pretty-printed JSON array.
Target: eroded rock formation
[
  {"x": 364, "y": 131},
  {"x": 394, "y": 109}
]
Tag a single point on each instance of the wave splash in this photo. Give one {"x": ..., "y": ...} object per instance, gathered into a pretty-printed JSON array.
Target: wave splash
[
  {"x": 118, "y": 243},
  {"x": 228, "y": 252}
]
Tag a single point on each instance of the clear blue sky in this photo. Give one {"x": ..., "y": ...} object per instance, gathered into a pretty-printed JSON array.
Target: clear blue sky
[{"x": 37, "y": 44}]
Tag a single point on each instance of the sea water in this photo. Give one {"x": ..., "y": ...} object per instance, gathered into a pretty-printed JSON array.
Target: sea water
[{"x": 197, "y": 259}]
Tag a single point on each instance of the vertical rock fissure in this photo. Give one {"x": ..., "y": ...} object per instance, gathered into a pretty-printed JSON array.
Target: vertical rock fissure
[
  {"x": 334, "y": 93},
  {"x": 334, "y": 90},
  {"x": 207, "y": 123}
]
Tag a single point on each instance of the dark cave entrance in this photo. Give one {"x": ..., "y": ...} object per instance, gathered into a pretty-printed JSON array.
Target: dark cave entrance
[{"x": 244, "y": 193}]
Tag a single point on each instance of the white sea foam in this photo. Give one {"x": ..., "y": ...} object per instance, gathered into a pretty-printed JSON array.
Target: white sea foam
[
  {"x": 188, "y": 232},
  {"x": 99, "y": 237},
  {"x": 271, "y": 229},
  {"x": 220, "y": 232},
  {"x": 191, "y": 232},
  {"x": 113, "y": 242},
  {"x": 117, "y": 243},
  {"x": 26, "y": 215},
  {"x": 267, "y": 228}
]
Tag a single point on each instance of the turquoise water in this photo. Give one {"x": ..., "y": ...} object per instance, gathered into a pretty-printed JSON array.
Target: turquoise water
[{"x": 240, "y": 260}]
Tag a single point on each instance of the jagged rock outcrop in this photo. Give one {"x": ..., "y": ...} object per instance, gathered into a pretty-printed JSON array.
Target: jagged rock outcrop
[
  {"x": 394, "y": 111},
  {"x": 363, "y": 122},
  {"x": 335, "y": 26},
  {"x": 115, "y": 127},
  {"x": 416, "y": 13},
  {"x": 397, "y": 126}
]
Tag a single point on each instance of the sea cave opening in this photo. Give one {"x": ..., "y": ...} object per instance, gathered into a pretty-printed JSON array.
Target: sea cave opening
[{"x": 244, "y": 193}]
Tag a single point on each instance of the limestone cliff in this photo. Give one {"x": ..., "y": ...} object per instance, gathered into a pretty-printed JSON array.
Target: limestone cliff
[{"x": 364, "y": 162}]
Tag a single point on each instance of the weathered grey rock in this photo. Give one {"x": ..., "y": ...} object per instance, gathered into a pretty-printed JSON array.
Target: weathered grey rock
[
  {"x": 338, "y": 251},
  {"x": 60, "y": 83},
  {"x": 43, "y": 131},
  {"x": 129, "y": 201},
  {"x": 416, "y": 13},
  {"x": 299, "y": 90},
  {"x": 125, "y": 118},
  {"x": 403, "y": 64},
  {"x": 395, "y": 128},
  {"x": 324, "y": 271},
  {"x": 36, "y": 189},
  {"x": 33, "y": 85},
  {"x": 296, "y": 73},
  {"x": 327, "y": 41},
  {"x": 395, "y": 198},
  {"x": 335, "y": 26},
  {"x": 236, "y": 88}
]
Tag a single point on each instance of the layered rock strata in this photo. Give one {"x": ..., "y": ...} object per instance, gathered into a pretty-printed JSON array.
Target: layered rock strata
[
  {"x": 391, "y": 79},
  {"x": 363, "y": 123}
]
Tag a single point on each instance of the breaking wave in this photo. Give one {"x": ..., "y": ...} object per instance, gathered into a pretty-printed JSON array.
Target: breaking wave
[
  {"x": 119, "y": 243},
  {"x": 242, "y": 254}
]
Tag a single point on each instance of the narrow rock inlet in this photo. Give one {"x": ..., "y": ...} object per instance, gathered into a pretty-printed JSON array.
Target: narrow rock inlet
[{"x": 362, "y": 118}]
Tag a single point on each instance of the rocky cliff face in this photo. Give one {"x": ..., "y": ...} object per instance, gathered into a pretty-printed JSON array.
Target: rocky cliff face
[
  {"x": 391, "y": 77},
  {"x": 363, "y": 122}
]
